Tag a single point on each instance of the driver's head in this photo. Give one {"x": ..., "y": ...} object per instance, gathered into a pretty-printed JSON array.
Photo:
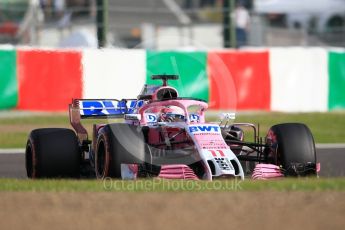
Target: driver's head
[{"x": 169, "y": 114}]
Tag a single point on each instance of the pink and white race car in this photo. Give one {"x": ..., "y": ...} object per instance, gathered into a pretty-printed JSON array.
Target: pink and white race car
[{"x": 166, "y": 136}]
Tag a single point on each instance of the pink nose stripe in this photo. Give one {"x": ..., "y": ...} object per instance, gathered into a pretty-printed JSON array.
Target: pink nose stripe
[{"x": 221, "y": 153}]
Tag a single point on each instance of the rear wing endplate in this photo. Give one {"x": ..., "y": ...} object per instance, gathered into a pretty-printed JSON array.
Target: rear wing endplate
[
  {"x": 106, "y": 108},
  {"x": 99, "y": 109}
]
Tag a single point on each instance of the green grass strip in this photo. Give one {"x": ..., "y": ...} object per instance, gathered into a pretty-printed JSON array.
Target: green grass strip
[
  {"x": 326, "y": 127},
  {"x": 159, "y": 185}
]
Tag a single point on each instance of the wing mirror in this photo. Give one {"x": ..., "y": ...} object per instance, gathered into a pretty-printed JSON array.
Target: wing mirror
[
  {"x": 228, "y": 116},
  {"x": 226, "y": 119}
]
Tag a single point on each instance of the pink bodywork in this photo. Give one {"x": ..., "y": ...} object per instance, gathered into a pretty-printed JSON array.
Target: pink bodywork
[
  {"x": 178, "y": 171},
  {"x": 211, "y": 141},
  {"x": 266, "y": 171},
  {"x": 270, "y": 171}
]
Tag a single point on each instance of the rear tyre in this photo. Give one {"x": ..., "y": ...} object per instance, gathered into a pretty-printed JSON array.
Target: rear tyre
[
  {"x": 52, "y": 153},
  {"x": 118, "y": 144},
  {"x": 293, "y": 148}
]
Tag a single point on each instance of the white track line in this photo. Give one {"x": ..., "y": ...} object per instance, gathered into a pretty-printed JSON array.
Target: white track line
[
  {"x": 331, "y": 146},
  {"x": 11, "y": 151}
]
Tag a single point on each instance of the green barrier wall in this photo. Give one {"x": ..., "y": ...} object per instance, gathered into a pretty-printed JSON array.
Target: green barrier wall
[
  {"x": 336, "y": 70},
  {"x": 8, "y": 79},
  {"x": 190, "y": 66}
]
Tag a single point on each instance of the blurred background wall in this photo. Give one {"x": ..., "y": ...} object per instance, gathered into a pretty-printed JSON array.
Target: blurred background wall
[
  {"x": 275, "y": 79},
  {"x": 153, "y": 23},
  {"x": 292, "y": 59}
]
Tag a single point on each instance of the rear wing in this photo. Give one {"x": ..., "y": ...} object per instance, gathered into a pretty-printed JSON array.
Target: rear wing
[
  {"x": 105, "y": 108},
  {"x": 99, "y": 109}
]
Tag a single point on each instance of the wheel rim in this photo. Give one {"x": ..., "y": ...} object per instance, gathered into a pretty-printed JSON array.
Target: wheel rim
[
  {"x": 29, "y": 160},
  {"x": 101, "y": 160}
]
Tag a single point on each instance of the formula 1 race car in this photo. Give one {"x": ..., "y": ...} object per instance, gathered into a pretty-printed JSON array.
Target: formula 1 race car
[{"x": 166, "y": 136}]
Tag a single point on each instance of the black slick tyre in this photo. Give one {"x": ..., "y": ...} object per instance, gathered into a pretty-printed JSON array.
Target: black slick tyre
[
  {"x": 52, "y": 153},
  {"x": 293, "y": 148},
  {"x": 118, "y": 144}
]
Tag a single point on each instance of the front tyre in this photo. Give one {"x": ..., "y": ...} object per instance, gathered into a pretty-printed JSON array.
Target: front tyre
[
  {"x": 293, "y": 148},
  {"x": 118, "y": 144}
]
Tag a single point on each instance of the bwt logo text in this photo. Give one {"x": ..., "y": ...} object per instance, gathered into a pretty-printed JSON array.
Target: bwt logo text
[{"x": 204, "y": 128}]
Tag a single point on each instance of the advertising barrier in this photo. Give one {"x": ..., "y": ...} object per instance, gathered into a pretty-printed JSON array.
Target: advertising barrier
[{"x": 273, "y": 79}]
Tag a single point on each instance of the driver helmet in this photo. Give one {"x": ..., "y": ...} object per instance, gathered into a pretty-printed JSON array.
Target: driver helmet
[{"x": 169, "y": 114}]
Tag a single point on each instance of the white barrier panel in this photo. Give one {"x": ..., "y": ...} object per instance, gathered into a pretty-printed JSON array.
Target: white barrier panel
[
  {"x": 299, "y": 79},
  {"x": 113, "y": 73}
]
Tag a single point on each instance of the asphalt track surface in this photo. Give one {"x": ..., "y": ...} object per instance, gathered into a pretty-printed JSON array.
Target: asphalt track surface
[{"x": 332, "y": 159}]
